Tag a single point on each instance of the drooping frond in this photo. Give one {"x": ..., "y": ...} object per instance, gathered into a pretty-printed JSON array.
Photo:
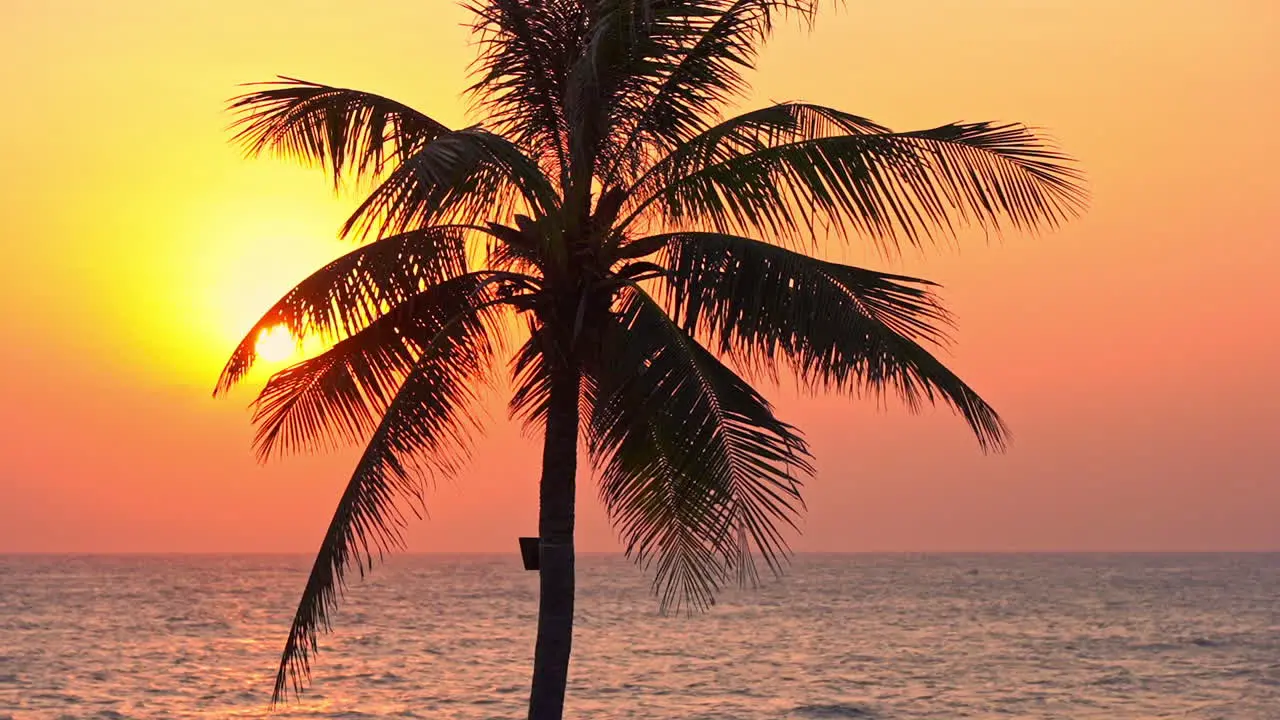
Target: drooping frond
[
  {"x": 338, "y": 396},
  {"x": 422, "y": 431},
  {"x": 685, "y": 82},
  {"x": 699, "y": 476},
  {"x": 526, "y": 50},
  {"x": 339, "y": 129},
  {"x": 837, "y": 326},
  {"x": 458, "y": 177},
  {"x": 878, "y": 184},
  {"x": 345, "y": 295}
]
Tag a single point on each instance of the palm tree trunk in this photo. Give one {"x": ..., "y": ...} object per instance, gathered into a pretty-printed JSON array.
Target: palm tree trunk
[{"x": 556, "y": 557}]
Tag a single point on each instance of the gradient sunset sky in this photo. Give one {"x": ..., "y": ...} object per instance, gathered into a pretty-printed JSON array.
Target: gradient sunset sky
[{"x": 1135, "y": 353}]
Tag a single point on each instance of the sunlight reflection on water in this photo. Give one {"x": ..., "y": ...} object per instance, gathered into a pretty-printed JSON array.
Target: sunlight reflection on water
[{"x": 840, "y": 637}]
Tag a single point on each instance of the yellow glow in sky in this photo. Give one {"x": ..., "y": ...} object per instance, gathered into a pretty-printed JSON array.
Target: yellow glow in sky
[{"x": 1133, "y": 352}]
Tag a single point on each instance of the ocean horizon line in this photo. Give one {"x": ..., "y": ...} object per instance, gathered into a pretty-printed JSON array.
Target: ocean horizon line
[{"x": 618, "y": 553}]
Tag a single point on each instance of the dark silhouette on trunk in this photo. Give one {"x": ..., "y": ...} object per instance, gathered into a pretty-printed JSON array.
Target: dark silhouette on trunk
[{"x": 556, "y": 497}]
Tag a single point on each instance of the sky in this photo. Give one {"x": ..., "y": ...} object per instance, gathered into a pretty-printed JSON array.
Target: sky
[{"x": 1134, "y": 352}]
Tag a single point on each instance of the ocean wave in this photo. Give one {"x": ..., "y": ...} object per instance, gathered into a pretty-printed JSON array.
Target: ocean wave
[
  {"x": 844, "y": 639},
  {"x": 834, "y": 710}
]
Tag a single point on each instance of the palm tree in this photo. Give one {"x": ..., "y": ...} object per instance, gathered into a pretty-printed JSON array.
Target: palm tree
[{"x": 650, "y": 251}]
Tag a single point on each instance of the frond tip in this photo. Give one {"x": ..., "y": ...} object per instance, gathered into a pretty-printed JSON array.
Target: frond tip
[
  {"x": 836, "y": 326},
  {"x": 339, "y": 129},
  {"x": 794, "y": 171}
]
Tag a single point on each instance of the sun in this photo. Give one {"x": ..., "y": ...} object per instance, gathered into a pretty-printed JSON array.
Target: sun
[{"x": 275, "y": 344}]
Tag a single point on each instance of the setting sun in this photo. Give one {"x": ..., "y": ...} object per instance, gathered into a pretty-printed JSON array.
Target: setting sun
[{"x": 276, "y": 344}]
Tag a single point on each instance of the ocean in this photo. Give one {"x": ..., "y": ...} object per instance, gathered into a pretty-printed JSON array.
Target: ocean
[{"x": 886, "y": 637}]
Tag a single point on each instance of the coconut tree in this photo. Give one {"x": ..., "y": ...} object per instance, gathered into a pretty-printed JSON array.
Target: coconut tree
[{"x": 634, "y": 255}]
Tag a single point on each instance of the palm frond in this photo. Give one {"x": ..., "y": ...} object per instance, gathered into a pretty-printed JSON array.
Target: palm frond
[
  {"x": 338, "y": 396},
  {"x": 423, "y": 431},
  {"x": 750, "y": 132},
  {"x": 628, "y": 46},
  {"x": 526, "y": 50},
  {"x": 686, "y": 81},
  {"x": 995, "y": 172},
  {"x": 516, "y": 250},
  {"x": 837, "y": 326},
  {"x": 619, "y": 36},
  {"x": 699, "y": 476},
  {"x": 458, "y": 177},
  {"x": 531, "y": 381},
  {"x": 339, "y": 129},
  {"x": 347, "y": 294},
  {"x": 801, "y": 181}
]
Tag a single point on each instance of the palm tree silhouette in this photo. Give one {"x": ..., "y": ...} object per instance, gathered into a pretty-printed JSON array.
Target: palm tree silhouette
[{"x": 649, "y": 249}]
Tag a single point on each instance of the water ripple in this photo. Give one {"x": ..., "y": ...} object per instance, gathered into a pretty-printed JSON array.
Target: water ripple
[{"x": 876, "y": 637}]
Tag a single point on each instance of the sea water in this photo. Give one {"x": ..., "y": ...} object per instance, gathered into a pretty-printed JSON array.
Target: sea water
[{"x": 840, "y": 636}]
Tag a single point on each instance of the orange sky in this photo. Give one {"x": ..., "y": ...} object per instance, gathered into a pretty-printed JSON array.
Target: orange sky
[{"x": 1134, "y": 353}]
